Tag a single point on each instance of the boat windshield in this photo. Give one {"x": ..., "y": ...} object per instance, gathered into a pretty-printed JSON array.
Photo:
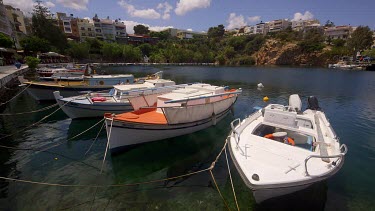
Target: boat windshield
[{"x": 286, "y": 136}]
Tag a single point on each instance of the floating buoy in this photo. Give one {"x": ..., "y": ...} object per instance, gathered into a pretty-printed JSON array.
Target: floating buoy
[
  {"x": 265, "y": 99},
  {"x": 260, "y": 85}
]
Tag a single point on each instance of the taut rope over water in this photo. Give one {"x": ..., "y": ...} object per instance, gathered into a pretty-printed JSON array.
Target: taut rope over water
[{"x": 15, "y": 95}]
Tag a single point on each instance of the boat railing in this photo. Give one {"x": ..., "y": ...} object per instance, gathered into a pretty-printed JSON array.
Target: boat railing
[
  {"x": 239, "y": 127},
  {"x": 235, "y": 133},
  {"x": 203, "y": 97},
  {"x": 343, "y": 151}
]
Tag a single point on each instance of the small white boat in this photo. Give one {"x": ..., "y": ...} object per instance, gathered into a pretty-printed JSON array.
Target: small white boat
[
  {"x": 50, "y": 70},
  {"x": 280, "y": 149},
  {"x": 182, "y": 111},
  {"x": 96, "y": 104}
]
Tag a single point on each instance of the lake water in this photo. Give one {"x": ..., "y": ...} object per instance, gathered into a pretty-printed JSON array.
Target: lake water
[{"x": 347, "y": 97}]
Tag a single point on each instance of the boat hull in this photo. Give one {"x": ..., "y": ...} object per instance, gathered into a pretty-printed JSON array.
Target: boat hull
[
  {"x": 264, "y": 192},
  {"x": 76, "y": 110},
  {"x": 43, "y": 92},
  {"x": 124, "y": 134}
]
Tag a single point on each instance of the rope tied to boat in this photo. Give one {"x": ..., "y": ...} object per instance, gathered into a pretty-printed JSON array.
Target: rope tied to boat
[
  {"x": 15, "y": 95},
  {"x": 30, "y": 112},
  {"x": 40, "y": 121},
  {"x": 96, "y": 186}
]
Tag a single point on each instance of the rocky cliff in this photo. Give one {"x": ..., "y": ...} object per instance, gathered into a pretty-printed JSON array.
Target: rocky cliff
[{"x": 275, "y": 52}]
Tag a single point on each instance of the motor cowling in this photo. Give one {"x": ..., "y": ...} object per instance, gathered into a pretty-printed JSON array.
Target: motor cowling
[{"x": 312, "y": 103}]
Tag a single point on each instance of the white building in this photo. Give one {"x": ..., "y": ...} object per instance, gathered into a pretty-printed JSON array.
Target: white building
[
  {"x": 339, "y": 32},
  {"x": 108, "y": 30},
  {"x": 5, "y": 27},
  {"x": 278, "y": 25},
  {"x": 303, "y": 25},
  {"x": 86, "y": 29},
  {"x": 260, "y": 28}
]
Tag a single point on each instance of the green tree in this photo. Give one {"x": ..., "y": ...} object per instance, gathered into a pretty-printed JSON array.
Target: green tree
[
  {"x": 254, "y": 44},
  {"x": 145, "y": 48},
  {"x": 94, "y": 45},
  {"x": 361, "y": 39},
  {"x": 5, "y": 41},
  {"x": 78, "y": 50},
  {"x": 112, "y": 51},
  {"x": 32, "y": 62},
  {"x": 329, "y": 24},
  {"x": 141, "y": 29},
  {"x": 131, "y": 54},
  {"x": 216, "y": 31},
  {"x": 44, "y": 28},
  {"x": 338, "y": 43},
  {"x": 163, "y": 35},
  {"x": 35, "y": 44},
  {"x": 313, "y": 41}
]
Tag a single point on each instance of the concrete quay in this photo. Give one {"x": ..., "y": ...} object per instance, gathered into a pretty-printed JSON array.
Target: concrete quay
[{"x": 9, "y": 73}]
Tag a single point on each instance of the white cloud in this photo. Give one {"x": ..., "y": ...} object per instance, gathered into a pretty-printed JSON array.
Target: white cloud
[
  {"x": 235, "y": 21},
  {"x": 184, "y": 6},
  {"x": 190, "y": 30},
  {"x": 130, "y": 25},
  {"x": 299, "y": 16},
  {"x": 159, "y": 28},
  {"x": 74, "y": 4},
  {"x": 253, "y": 19},
  {"x": 49, "y": 4},
  {"x": 25, "y": 5},
  {"x": 167, "y": 9},
  {"x": 144, "y": 13}
]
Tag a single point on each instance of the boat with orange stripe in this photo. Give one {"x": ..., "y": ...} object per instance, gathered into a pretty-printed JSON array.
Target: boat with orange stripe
[{"x": 182, "y": 111}]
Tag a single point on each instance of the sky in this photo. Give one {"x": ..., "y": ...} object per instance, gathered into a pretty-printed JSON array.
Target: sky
[{"x": 199, "y": 15}]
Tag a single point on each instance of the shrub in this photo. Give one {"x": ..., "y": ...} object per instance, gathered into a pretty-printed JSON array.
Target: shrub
[{"x": 32, "y": 62}]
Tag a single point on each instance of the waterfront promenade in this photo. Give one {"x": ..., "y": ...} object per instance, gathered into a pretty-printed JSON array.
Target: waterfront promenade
[{"x": 7, "y": 73}]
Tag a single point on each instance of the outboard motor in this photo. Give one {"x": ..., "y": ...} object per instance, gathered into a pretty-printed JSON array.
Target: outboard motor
[
  {"x": 295, "y": 102},
  {"x": 312, "y": 103}
]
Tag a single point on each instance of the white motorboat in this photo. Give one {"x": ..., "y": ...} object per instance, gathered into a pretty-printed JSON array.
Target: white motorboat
[
  {"x": 182, "y": 111},
  {"x": 280, "y": 150},
  {"x": 96, "y": 104}
]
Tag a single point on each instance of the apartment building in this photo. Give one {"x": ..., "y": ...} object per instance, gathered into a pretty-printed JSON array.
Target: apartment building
[
  {"x": 278, "y": 25},
  {"x": 108, "y": 30},
  {"x": 303, "y": 25},
  {"x": 17, "y": 23},
  {"x": 86, "y": 29},
  {"x": 260, "y": 28},
  {"x": 69, "y": 25},
  {"x": 339, "y": 32},
  {"x": 5, "y": 27}
]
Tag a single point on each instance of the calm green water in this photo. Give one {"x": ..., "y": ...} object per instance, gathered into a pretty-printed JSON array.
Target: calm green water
[{"x": 347, "y": 97}]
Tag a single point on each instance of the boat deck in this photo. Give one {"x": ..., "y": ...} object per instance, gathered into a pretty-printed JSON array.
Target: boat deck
[{"x": 145, "y": 116}]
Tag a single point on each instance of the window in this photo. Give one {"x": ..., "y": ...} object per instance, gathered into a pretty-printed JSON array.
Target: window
[
  {"x": 83, "y": 34},
  {"x": 88, "y": 29},
  {"x": 82, "y": 28}
]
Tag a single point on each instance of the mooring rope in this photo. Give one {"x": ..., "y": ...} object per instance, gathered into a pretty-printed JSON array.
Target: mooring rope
[
  {"x": 95, "y": 138},
  {"x": 15, "y": 95},
  {"x": 106, "y": 148},
  {"x": 231, "y": 181},
  {"x": 218, "y": 190},
  {"x": 30, "y": 112},
  {"x": 41, "y": 120},
  {"x": 116, "y": 185}
]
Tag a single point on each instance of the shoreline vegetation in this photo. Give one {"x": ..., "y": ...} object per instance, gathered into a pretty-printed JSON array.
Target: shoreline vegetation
[{"x": 220, "y": 47}]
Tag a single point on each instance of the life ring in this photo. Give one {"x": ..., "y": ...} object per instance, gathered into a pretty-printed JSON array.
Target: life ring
[
  {"x": 290, "y": 140},
  {"x": 101, "y": 82}
]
